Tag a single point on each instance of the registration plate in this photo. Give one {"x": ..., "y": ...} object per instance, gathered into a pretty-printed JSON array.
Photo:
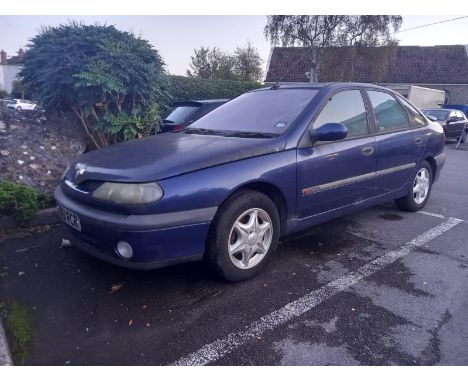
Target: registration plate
[{"x": 69, "y": 217}]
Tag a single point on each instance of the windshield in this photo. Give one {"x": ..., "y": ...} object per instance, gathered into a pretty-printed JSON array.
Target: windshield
[
  {"x": 180, "y": 113},
  {"x": 440, "y": 115},
  {"x": 264, "y": 112}
]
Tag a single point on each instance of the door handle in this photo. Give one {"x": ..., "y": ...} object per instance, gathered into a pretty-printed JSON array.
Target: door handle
[
  {"x": 418, "y": 140},
  {"x": 367, "y": 150}
]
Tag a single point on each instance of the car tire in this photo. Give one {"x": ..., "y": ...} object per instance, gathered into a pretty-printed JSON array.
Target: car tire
[
  {"x": 19, "y": 108},
  {"x": 420, "y": 190},
  {"x": 243, "y": 235}
]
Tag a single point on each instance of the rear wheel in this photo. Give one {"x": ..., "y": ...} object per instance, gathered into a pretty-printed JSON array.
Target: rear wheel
[
  {"x": 243, "y": 235},
  {"x": 19, "y": 108},
  {"x": 419, "y": 192}
]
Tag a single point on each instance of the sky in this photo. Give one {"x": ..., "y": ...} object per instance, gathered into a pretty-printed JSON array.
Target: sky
[{"x": 176, "y": 37}]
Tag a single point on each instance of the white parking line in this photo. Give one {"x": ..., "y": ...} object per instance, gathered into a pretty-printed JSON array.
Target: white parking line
[
  {"x": 432, "y": 214},
  {"x": 219, "y": 348}
]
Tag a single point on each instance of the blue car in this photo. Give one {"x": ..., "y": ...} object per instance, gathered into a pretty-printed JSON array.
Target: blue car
[{"x": 266, "y": 164}]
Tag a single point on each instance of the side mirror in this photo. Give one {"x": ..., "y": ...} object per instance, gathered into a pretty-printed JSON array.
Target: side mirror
[{"x": 329, "y": 132}]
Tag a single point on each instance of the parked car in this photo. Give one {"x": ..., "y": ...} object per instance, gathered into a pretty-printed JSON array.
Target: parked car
[
  {"x": 454, "y": 122},
  {"x": 21, "y": 104},
  {"x": 268, "y": 163},
  {"x": 462, "y": 108},
  {"x": 186, "y": 112}
]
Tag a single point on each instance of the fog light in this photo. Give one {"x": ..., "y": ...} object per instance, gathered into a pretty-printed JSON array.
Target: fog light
[{"x": 124, "y": 250}]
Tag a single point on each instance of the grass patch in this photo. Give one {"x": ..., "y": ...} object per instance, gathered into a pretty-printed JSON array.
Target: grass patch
[{"x": 20, "y": 331}]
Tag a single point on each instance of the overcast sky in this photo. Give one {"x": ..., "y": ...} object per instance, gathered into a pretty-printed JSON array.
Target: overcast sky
[{"x": 176, "y": 36}]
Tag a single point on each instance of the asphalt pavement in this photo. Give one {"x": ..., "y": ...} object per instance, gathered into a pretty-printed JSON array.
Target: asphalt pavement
[{"x": 380, "y": 287}]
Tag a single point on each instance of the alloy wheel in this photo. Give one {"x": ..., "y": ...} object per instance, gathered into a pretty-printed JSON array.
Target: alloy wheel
[
  {"x": 250, "y": 238},
  {"x": 421, "y": 185}
]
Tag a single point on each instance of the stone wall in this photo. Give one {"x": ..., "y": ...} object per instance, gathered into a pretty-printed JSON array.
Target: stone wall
[{"x": 35, "y": 149}]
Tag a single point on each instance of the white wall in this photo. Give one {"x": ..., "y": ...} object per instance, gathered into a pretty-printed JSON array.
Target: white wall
[{"x": 8, "y": 74}]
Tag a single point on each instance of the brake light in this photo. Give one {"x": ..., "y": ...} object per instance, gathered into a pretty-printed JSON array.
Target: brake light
[{"x": 178, "y": 127}]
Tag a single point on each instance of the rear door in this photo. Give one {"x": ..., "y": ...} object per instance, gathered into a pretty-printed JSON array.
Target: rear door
[
  {"x": 331, "y": 175},
  {"x": 401, "y": 140}
]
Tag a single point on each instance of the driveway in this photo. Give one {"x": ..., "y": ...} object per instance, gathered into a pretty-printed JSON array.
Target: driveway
[{"x": 380, "y": 287}]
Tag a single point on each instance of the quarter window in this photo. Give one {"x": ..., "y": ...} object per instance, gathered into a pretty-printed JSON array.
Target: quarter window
[
  {"x": 389, "y": 114},
  {"x": 346, "y": 107},
  {"x": 415, "y": 116}
]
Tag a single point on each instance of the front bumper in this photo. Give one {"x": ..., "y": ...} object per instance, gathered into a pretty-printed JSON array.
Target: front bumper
[{"x": 157, "y": 240}]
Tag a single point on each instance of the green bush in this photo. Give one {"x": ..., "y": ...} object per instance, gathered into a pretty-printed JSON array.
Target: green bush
[
  {"x": 183, "y": 88},
  {"x": 17, "y": 200},
  {"x": 20, "y": 330},
  {"x": 3, "y": 94}
]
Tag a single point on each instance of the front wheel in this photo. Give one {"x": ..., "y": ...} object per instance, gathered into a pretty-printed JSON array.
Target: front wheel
[
  {"x": 419, "y": 192},
  {"x": 19, "y": 108},
  {"x": 243, "y": 235}
]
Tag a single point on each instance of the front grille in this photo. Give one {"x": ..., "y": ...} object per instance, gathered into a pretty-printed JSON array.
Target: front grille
[{"x": 89, "y": 185}]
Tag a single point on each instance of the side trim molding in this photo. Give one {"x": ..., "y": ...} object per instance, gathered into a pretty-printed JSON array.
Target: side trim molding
[{"x": 354, "y": 179}]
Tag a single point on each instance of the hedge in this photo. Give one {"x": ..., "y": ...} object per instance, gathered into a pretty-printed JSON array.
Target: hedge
[
  {"x": 18, "y": 200},
  {"x": 190, "y": 88}
]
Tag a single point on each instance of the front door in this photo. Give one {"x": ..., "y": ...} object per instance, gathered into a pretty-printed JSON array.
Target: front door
[{"x": 331, "y": 175}]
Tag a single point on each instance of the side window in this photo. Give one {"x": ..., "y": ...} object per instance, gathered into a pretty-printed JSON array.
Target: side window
[
  {"x": 346, "y": 107},
  {"x": 453, "y": 114},
  {"x": 389, "y": 114},
  {"x": 415, "y": 116},
  {"x": 460, "y": 115}
]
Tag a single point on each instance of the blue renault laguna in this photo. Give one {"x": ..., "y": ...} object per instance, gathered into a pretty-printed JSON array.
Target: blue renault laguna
[{"x": 266, "y": 164}]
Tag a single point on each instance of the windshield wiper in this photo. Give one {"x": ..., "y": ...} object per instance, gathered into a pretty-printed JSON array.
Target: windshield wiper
[
  {"x": 194, "y": 130},
  {"x": 250, "y": 134},
  {"x": 229, "y": 133}
]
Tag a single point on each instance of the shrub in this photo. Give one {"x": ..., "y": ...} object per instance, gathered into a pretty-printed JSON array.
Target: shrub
[
  {"x": 112, "y": 81},
  {"x": 186, "y": 88},
  {"x": 3, "y": 94},
  {"x": 17, "y": 200}
]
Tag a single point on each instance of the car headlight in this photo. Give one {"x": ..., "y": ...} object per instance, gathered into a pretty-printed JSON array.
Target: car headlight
[{"x": 129, "y": 193}]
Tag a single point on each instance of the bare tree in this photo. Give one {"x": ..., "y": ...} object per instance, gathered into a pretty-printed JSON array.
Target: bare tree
[{"x": 321, "y": 31}]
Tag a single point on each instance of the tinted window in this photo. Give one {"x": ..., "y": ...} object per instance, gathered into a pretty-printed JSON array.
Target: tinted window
[
  {"x": 181, "y": 113},
  {"x": 269, "y": 111},
  {"x": 389, "y": 114},
  {"x": 415, "y": 116},
  {"x": 440, "y": 115},
  {"x": 348, "y": 108}
]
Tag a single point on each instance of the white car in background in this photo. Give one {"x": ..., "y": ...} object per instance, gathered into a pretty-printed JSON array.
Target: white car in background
[{"x": 22, "y": 104}]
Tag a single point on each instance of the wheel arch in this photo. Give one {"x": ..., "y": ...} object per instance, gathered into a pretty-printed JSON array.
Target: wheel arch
[
  {"x": 432, "y": 162},
  {"x": 272, "y": 192}
]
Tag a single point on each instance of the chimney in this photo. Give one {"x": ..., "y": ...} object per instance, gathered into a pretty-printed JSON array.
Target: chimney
[{"x": 3, "y": 57}]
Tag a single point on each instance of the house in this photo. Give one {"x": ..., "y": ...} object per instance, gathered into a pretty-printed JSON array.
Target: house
[
  {"x": 443, "y": 67},
  {"x": 9, "y": 69}
]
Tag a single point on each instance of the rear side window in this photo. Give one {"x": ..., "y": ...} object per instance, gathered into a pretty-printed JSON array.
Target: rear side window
[
  {"x": 389, "y": 114},
  {"x": 346, "y": 107},
  {"x": 181, "y": 113},
  {"x": 417, "y": 120}
]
